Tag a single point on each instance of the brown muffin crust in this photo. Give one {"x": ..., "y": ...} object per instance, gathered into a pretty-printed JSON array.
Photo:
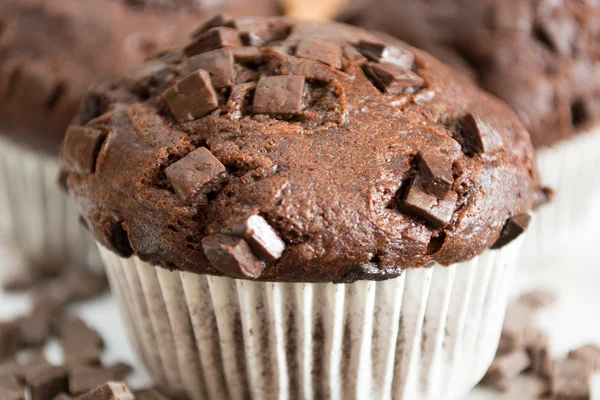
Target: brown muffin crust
[
  {"x": 540, "y": 56},
  {"x": 52, "y": 50},
  {"x": 318, "y": 153}
]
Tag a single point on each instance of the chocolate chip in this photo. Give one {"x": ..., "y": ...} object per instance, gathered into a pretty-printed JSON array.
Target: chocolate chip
[
  {"x": 517, "y": 323},
  {"x": 478, "y": 137},
  {"x": 391, "y": 78},
  {"x": 192, "y": 97},
  {"x": 435, "y": 173},
  {"x": 433, "y": 210},
  {"x": 525, "y": 386},
  {"x": 232, "y": 256},
  {"x": 570, "y": 379},
  {"x": 85, "y": 378},
  {"x": 34, "y": 329},
  {"x": 319, "y": 50},
  {"x": 214, "y": 22},
  {"x": 197, "y": 174},
  {"x": 108, "y": 229},
  {"x": 109, "y": 391},
  {"x": 10, "y": 389},
  {"x": 279, "y": 95},
  {"x": 8, "y": 339},
  {"x": 46, "y": 381},
  {"x": 81, "y": 344},
  {"x": 381, "y": 53},
  {"x": 214, "y": 38},
  {"x": 261, "y": 237},
  {"x": 81, "y": 147},
  {"x": 248, "y": 54},
  {"x": 536, "y": 299},
  {"x": 353, "y": 55},
  {"x": 590, "y": 354},
  {"x": 150, "y": 394},
  {"x": 513, "y": 228},
  {"x": 218, "y": 63},
  {"x": 506, "y": 367},
  {"x": 538, "y": 348}
]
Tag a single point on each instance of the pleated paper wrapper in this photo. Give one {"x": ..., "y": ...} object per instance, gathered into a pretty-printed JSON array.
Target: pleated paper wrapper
[
  {"x": 36, "y": 216},
  {"x": 429, "y": 334},
  {"x": 572, "y": 168}
]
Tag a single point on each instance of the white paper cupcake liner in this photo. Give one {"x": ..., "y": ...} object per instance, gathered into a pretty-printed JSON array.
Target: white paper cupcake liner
[
  {"x": 567, "y": 224},
  {"x": 36, "y": 215},
  {"x": 428, "y": 334}
]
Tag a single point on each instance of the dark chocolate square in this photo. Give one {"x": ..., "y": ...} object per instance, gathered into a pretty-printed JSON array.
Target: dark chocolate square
[
  {"x": 391, "y": 78},
  {"x": 214, "y": 38},
  {"x": 435, "y": 172},
  {"x": 232, "y": 256},
  {"x": 319, "y": 50},
  {"x": 261, "y": 237},
  {"x": 279, "y": 95},
  {"x": 80, "y": 149},
  {"x": 438, "y": 213},
  {"x": 192, "y": 97},
  {"x": 218, "y": 63}
]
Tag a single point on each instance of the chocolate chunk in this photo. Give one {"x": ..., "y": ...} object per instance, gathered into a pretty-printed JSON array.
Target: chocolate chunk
[
  {"x": 353, "y": 55},
  {"x": 218, "y": 63},
  {"x": 192, "y": 97},
  {"x": 279, "y": 95},
  {"x": 570, "y": 379},
  {"x": 513, "y": 228},
  {"x": 109, "y": 391},
  {"x": 536, "y": 299},
  {"x": 590, "y": 354},
  {"x": 81, "y": 344},
  {"x": 381, "y": 53},
  {"x": 214, "y": 22},
  {"x": 232, "y": 256},
  {"x": 257, "y": 32},
  {"x": 108, "y": 229},
  {"x": 150, "y": 394},
  {"x": 8, "y": 339},
  {"x": 391, "y": 78},
  {"x": 214, "y": 38},
  {"x": 248, "y": 54},
  {"x": 524, "y": 387},
  {"x": 34, "y": 329},
  {"x": 196, "y": 174},
  {"x": 261, "y": 237},
  {"x": 435, "y": 173},
  {"x": 319, "y": 50},
  {"x": 433, "y": 210},
  {"x": 538, "y": 348},
  {"x": 46, "y": 381},
  {"x": 478, "y": 137},
  {"x": 10, "y": 389},
  {"x": 81, "y": 147},
  {"x": 506, "y": 367},
  {"x": 517, "y": 328},
  {"x": 85, "y": 378}
]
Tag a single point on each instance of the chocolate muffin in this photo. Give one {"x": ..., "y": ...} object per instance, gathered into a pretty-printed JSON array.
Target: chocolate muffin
[
  {"x": 299, "y": 188},
  {"x": 542, "y": 58},
  {"x": 50, "y": 52}
]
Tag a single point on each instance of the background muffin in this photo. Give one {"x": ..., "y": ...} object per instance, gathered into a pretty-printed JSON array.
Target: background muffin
[
  {"x": 50, "y": 52},
  {"x": 542, "y": 58},
  {"x": 237, "y": 179}
]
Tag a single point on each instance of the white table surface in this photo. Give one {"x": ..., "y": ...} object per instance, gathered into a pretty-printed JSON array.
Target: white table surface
[{"x": 573, "y": 321}]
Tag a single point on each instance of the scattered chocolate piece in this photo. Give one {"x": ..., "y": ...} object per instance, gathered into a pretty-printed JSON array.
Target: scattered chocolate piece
[
  {"x": 513, "y": 228},
  {"x": 391, "y": 78},
  {"x": 109, "y": 231},
  {"x": 589, "y": 353},
  {"x": 538, "y": 348},
  {"x": 218, "y": 63},
  {"x": 81, "y": 344},
  {"x": 214, "y": 38},
  {"x": 8, "y": 339},
  {"x": 518, "y": 322},
  {"x": 537, "y": 299},
  {"x": 477, "y": 136},
  {"x": 261, "y": 237},
  {"x": 150, "y": 394},
  {"x": 85, "y": 378},
  {"x": 433, "y": 210},
  {"x": 109, "y": 391},
  {"x": 279, "y": 95},
  {"x": 232, "y": 256},
  {"x": 192, "y": 97},
  {"x": 214, "y": 22},
  {"x": 46, "y": 381},
  {"x": 525, "y": 387},
  {"x": 196, "y": 174},
  {"x": 33, "y": 329},
  {"x": 506, "y": 367},
  {"x": 319, "y": 50},
  {"x": 435, "y": 173},
  {"x": 81, "y": 147},
  {"x": 10, "y": 389},
  {"x": 381, "y": 53},
  {"x": 570, "y": 379}
]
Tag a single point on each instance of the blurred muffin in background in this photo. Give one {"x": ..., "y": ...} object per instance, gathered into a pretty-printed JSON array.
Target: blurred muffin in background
[
  {"x": 50, "y": 52},
  {"x": 542, "y": 57}
]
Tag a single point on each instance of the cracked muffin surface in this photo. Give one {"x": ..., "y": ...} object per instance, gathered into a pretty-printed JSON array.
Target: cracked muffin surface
[{"x": 279, "y": 150}]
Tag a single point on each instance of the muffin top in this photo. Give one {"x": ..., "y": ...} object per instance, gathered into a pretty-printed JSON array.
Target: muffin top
[
  {"x": 541, "y": 56},
  {"x": 51, "y": 50},
  {"x": 279, "y": 150}
]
